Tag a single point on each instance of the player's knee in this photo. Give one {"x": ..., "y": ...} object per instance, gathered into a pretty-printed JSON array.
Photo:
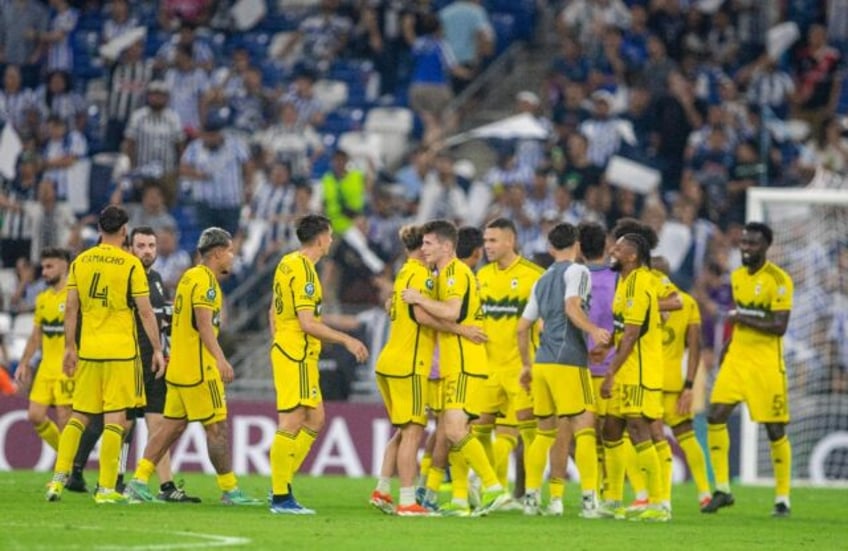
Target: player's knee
[
  {"x": 36, "y": 417},
  {"x": 775, "y": 431},
  {"x": 682, "y": 428}
]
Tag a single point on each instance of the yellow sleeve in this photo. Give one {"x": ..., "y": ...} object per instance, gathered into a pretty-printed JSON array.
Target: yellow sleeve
[
  {"x": 637, "y": 301},
  {"x": 72, "y": 278},
  {"x": 204, "y": 294},
  {"x": 694, "y": 311},
  {"x": 782, "y": 298},
  {"x": 139, "y": 287},
  {"x": 303, "y": 288}
]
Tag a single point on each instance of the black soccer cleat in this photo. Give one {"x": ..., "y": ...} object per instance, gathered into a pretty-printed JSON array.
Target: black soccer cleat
[
  {"x": 781, "y": 510},
  {"x": 719, "y": 500},
  {"x": 172, "y": 493},
  {"x": 76, "y": 483}
]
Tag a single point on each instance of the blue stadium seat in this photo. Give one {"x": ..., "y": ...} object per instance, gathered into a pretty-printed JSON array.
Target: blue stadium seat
[{"x": 342, "y": 120}]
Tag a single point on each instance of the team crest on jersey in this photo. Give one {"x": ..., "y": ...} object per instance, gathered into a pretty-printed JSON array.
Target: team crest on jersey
[
  {"x": 781, "y": 290},
  {"x": 211, "y": 294},
  {"x": 309, "y": 289},
  {"x": 450, "y": 282},
  {"x": 61, "y": 306},
  {"x": 758, "y": 289},
  {"x": 429, "y": 284},
  {"x": 314, "y": 392},
  {"x": 629, "y": 303},
  {"x": 514, "y": 283}
]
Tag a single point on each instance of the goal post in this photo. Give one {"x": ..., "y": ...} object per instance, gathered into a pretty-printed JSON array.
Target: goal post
[{"x": 811, "y": 243}]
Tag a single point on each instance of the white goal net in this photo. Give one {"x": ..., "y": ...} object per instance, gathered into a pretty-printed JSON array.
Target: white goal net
[{"x": 811, "y": 243}]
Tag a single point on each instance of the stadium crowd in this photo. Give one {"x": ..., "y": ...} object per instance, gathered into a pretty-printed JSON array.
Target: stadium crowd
[{"x": 215, "y": 123}]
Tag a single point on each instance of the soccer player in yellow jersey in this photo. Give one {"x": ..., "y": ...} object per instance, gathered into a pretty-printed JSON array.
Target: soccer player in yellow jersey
[
  {"x": 633, "y": 381},
  {"x": 681, "y": 336},
  {"x": 402, "y": 369},
  {"x": 197, "y": 372},
  {"x": 295, "y": 318},
  {"x": 104, "y": 285},
  {"x": 752, "y": 368},
  {"x": 505, "y": 285},
  {"x": 462, "y": 361},
  {"x": 50, "y": 387}
]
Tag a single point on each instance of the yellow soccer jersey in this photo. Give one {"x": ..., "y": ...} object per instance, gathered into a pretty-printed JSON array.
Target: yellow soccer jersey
[
  {"x": 674, "y": 341},
  {"x": 759, "y": 294},
  {"x": 197, "y": 288},
  {"x": 665, "y": 287},
  {"x": 296, "y": 287},
  {"x": 409, "y": 348},
  {"x": 457, "y": 280},
  {"x": 50, "y": 317},
  {"x": 504, "y": 294},
  {"x": 107, "y": 279},
  {"x": 635, "y": 303}
]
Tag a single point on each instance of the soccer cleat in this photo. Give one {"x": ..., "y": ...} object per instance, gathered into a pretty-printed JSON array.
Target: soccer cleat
[
  {"x": 120, "y": 485},
  {"x": 607, "y": 509},
  {"x": 137, "y": 491},
  {"x": 492, "y": 500},
  {"x": 76, "y": 483},
  {"x": 175, "y": 494},
  {"x": 651, "y": 515},
  {"x": 420, "y": 494},
  {"x": 781, "y": 510},
  {"x": 704, "y": 501},
  {"x": 383, "y": 502},
  {"x": 109, "y": 496},
  {"x": 455, "y": 510},
  {"x": 637, "y": 507},
  {"x": 475, "y": 498},
  {"x": 720, "y": 499},
  {"x": 531, "y": 505},
  {"x": 431, "y": 506},
  {"x": 554, "y": 508},
  {"x": 590, "y": 509},
  {"x": 414, "y": 510},
  {"x": 290, "y": 506},
  {"x": 237, "y": 497},
  {"x": 54, "y": 490}
]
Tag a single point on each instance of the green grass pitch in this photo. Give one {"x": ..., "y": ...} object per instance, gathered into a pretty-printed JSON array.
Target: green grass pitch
[{"x": 345, "y": 521}]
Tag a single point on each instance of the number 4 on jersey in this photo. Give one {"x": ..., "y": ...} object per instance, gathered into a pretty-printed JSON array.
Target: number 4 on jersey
[{"x": 102, "y": 293}]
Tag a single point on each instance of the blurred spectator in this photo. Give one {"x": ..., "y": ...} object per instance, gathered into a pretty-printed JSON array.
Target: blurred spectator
[
  {"x": 229, "y": 80},
  {"x": 343, "y": 190},
  {"x": 324, "y": 36},
  {"x": 468, "y": 32},
  {"x": 301, "y": 95},
  {"x": 602, "y": 129},
  {"x": 251, "y": 104},
  {"x": 214, "y": 167},
  {"x": 586, "y": 19},
  {"x": 152, "y": 211},
  {"x": 579, "y": 173},
  {"x": 57, "y": 38},
  {"x": 507, "y": 171},
  {"x": 187, "y": 84},
  {"x": 658, "y": 66},
  {"x": 818, "y": 84},
  {"x": 540, "y": 194},
  {"x": 22, "y": 23},
  {"x": 154, "y": 138},
  {"x": 430, "y": 91},
  {"x": 27, "y": 287},
  {"x": 186, "y": 37},
  {"x": 571, "y": 111},
  {"x": 413, "y": 175},
  {"x": 768, "y": 85},
  {"x": 180, "y": 13},
  {"x": 171, "y": 261},
  {"x": 829, "y": 149},
  {"x": 15, "y": 101},
  {"x": 17, "y": 227},
  {"x": 58, "y": 98},
  {"x": 120, "y": 21},
  {"x": 53, "y": 222},
  {"x": 384, "y": 222},
  {"x": 530, "y": 152},
  {"x": 667, "y": 21},
  {"x": 62, "y": 150},
  {"x": 441, "y": 196},
  {"x": 748, "y": 171},
  {"x": 568, "y": 66},
  {"x": 677, "y": 113},
  {"x": 274, "y": 202},
  {"x": 674, "y": 237},
  {"x": 128, "y": 80},
  {"x": 290, "y": 141},
  {"x": 722, "y": 40},
  {"x": 512, "y": 204}
]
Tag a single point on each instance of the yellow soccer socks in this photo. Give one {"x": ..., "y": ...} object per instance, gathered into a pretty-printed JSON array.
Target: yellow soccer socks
[
  {"x": 283, "y": 451},
  {"x": 719, "y": 442},
  {"x": 49, "y": 432},
  {"x": 503, "y": 446},
  {"x": 586, "y": 457},
  {"x": 68, "y": 444},
  {"x": 781, "y": 458},
  {"x": 649, "y": 463},
  {"x": 537, "y": 459},
  {"x": 110, "y": 454},
  {"x": 696, "y": 461}
]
